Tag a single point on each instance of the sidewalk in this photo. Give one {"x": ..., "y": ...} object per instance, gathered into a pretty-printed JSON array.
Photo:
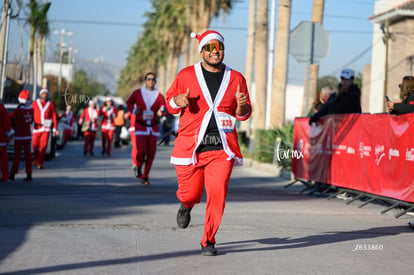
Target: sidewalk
[{"x": 90, "y": 216}]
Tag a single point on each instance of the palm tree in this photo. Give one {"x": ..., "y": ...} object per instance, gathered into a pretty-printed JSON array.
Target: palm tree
[
  {"x": 277, "y": 113},
  {"x": 43, "y": 31},
  {"x": 38, "y": 23},
  {"x": 200, "y": 13},
  {"x": 317, "y": 16},
  {"x": 245, "y": 125},
  {"x": 260, "y": 65}
]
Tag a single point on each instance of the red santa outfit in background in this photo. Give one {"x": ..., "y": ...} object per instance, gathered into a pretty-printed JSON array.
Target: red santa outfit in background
[
  {"x": 131, "y": 130},
  {"x": 148, "y": 101},
  {"x": 209, "y": 96},
  {"x": 108, "y": 112},
  {"x": 5, "y": 132},
  {"x": 68, "y": 119},
  {"x": 22, "y": 119},
  {"x": 45, "y": 120},
  {"x": 90, "y": 115}
]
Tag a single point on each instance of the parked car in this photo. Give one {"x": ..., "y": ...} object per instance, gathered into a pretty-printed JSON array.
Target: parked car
[{"x": 51, "y": 145}]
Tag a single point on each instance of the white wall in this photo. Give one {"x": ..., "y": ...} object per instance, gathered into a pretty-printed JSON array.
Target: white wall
[
  {"x": 54, "y": 69},
  {"x": 376, "y": 97},
  {"x": 293, "y": 101}
]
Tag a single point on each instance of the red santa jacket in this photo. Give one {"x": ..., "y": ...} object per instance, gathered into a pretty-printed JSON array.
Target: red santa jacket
[
  {"x": 195, "y": 118},
  {"x": 22, "y": 119},
  {"x": 147, "y": 103},
  {"x": 5, "y": 127},
  {"x": 91, "y": 115},
  {"x": 108, "y": 115},
  {"x": 44, "y": 116},
  {"x": 68, "y": 119}
]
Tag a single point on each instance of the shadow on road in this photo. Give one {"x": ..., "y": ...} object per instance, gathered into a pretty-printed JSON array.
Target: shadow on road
[
  {"x": 315, "y": 240},
  {"x": 267, "y": 244}
]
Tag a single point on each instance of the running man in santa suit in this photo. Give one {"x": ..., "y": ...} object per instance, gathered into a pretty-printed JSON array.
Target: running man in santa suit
[
  {"x": 209, "y": 96},
  {"x": 68, "y": 119},
  {"x": 148, "y": 101},
  {"x": 44, "y": 119},
  {"x": 89, "y": 114},
  {"x": 5, "y": 133},
  {"x": 108, "y": 112},
  {"x": 22, "y": 119}
]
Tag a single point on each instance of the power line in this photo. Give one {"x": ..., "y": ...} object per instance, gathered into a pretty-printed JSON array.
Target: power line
[{"x": 356, "y": 58}]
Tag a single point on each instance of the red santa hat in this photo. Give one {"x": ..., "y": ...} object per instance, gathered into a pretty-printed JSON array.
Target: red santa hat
[
  {"x": 205, "y": 37},
  {"x": 24, "y": 96},
  {"x": 44, "y": 90}
]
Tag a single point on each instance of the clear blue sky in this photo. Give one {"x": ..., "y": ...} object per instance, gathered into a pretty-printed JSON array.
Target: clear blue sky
[{"x": 346, "y": 20}]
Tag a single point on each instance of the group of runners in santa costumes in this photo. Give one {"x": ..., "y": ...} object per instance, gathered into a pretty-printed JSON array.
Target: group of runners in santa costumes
[
  {"x": 209, "y": 97},
  {"x": 90, "y": 116},
  {"x": 40, "y": 115}
]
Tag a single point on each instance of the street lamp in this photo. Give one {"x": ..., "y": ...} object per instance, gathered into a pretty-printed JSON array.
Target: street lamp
[{"x": 63, "y": 32}]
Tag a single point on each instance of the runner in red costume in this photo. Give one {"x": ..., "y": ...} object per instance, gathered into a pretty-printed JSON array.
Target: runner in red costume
[
  {"x": 68, "y": 119},
  {"x": 45, "y": 120},
  {"x": 22, "y": 119},
  {"x": 209, "y": 96},
  {"x": 108, "y": 113},
  {"x": 5, "y": 133},
  {"x": 90, "y": 116},
  {"x": 148, "y": 102}
]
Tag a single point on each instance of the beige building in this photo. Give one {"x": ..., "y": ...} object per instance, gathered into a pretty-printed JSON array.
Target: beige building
[{"x": 393, "y": 36}]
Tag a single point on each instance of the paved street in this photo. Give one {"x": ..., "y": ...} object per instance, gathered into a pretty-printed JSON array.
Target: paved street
[{"x": 88, "y": 215}]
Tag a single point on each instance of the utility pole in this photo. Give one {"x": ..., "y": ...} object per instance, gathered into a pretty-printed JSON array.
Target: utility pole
[
  {"x": 62, "y": 45},
  {"x": 280, "y": 73},
  {"x": 4, "y": 37}
]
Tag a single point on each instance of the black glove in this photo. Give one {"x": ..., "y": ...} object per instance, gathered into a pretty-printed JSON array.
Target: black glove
[{"x": 313, "y": 119}]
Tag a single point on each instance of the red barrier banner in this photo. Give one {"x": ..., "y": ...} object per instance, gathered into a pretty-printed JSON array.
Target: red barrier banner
[{"x": 364, "y": 152}]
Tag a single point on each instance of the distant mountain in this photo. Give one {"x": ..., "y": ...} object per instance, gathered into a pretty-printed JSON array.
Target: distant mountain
[{"x": 101, "y": 71}]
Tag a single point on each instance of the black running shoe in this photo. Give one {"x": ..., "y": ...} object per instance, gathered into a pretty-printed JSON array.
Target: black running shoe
[
  {"x": 183, "y": 216},
  {"x": 145, "y": 181},
  {"x": 209, "y": 250},
  {"x": 139, "y": 172},
  {"x": 28, "y": 177}
]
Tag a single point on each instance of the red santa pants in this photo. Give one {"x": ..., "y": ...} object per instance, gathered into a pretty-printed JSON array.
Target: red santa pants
[
  {"x": 67, "y": 133},
  {"x": 107, "y": 137},
  {"x": 134, "y": 151},
  {"x": 39, "y": 141},
  {"x": 89, "y": 141},
  {"x": 18, "y": 145},
  {"x": 213, "y": 172},
  {"x": 146, "y": 146},
  {"x": 4, "y": 163}
]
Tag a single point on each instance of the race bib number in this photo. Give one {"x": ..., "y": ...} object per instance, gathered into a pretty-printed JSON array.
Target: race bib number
[
  {"x": 226, "y": 122},
  {"x": 47, "y": 123},
  {"x": 148, "y": 115}
]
